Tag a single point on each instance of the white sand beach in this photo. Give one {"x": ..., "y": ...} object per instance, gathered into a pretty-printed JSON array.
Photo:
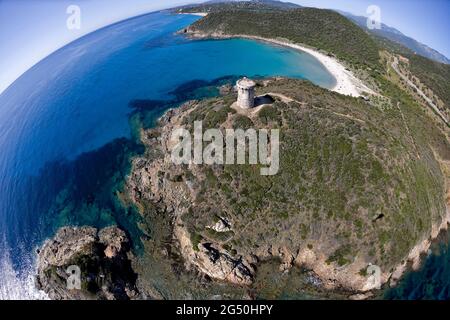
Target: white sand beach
[{"x": 200, "y": 14}]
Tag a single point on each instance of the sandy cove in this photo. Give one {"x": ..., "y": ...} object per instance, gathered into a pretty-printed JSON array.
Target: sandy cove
[{"x": 346, "y": 83}]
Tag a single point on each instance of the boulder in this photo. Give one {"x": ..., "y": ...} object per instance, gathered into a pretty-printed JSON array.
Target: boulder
[{"x": 83, "y": 263}]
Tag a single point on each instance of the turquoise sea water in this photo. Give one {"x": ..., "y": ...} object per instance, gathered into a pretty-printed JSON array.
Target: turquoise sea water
[{"x": 66, "y": 126}]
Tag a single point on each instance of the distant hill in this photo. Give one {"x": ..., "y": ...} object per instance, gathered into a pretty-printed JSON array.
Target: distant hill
[
  {"x": 255, "y": 5},
  {"x": 398, "y": 37}
]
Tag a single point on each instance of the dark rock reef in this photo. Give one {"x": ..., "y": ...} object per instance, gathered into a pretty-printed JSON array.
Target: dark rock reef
[{"x": 100, "y": 256}]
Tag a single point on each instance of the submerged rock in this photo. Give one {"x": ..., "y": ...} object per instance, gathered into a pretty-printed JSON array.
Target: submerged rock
[{"x": 84, "y": 263}]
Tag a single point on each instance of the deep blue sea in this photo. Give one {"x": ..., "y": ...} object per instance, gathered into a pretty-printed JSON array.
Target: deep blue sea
[{"x": 68, "y": 127}]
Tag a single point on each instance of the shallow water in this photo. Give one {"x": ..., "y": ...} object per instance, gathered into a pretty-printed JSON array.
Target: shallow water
[{"x": 431, "y": 281}]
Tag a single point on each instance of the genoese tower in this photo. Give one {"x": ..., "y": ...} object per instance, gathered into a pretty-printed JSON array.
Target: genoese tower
[{"x": 246, "y": 93}]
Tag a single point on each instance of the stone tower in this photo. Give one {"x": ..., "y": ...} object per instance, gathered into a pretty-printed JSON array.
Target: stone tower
[{"x": 246, "y": 93}]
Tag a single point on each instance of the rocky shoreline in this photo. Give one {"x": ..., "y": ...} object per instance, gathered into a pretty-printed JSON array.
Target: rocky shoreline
[{"x": 97, "y": 258}]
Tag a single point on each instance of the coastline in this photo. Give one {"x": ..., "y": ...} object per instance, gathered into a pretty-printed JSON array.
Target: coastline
[
  {"x": 346, "y": 83},
  {"x": 416, "y": 252},
  {"x": 306, "y": 258}
]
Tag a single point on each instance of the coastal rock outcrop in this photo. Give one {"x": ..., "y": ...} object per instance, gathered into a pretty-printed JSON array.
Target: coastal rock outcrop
[{"x": 84, "y": 263}]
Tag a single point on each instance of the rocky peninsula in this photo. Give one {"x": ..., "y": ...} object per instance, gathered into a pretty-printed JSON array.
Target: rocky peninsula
[{"x": 227, "y": 220}]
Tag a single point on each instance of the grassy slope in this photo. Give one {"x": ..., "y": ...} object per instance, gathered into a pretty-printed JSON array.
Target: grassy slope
[
  {"x": 343, "y": 161},
  {"x": 238, "y": 5},
  {"x": 327, "y": 30}
]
